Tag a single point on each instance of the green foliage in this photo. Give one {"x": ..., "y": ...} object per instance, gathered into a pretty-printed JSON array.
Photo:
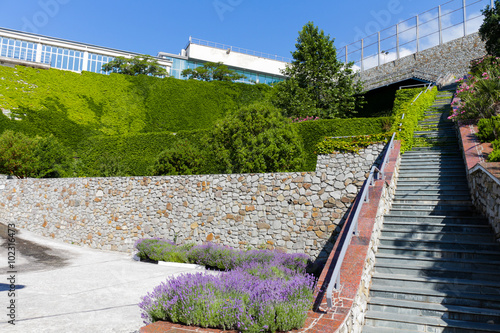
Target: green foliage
[
  {"x": 413, "y": 111},
  {"x": 22, "y": 156},
  {"x": 211, "y": 71},
  {"x": 314, "y": 132},
  {"x": 257, "y": 138},
  {"x": 141, "y": 64},
  {"x": 183, "y": 158},
  {"x": 490, "y": 29},
  {"x": 494, "y": 156},
  {"x": 317, "y": 83},
  {"x": 351, "y": 144},
  {"x": 488, "y": 129}
]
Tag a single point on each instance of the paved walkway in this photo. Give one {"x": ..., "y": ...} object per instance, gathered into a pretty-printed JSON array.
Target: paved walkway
[{"x": 67, "y": 288}]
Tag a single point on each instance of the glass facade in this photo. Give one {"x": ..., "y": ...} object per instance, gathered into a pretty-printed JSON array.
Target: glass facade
[
  {"x": 96, "y": 61},
  {"x": 73, "y": 60},
  {"x": 179, "y": 65},
  {"x": 62, "y": 58},
  {"x": 17, "y": 49}
]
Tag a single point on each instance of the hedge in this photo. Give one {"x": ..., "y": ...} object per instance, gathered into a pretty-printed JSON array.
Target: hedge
[{"x": 313, "y": 132}]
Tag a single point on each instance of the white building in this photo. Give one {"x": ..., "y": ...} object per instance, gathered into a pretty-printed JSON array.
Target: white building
[{"x": 21, "y": 48}]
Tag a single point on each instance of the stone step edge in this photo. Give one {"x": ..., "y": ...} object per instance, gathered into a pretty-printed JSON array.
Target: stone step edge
[
  {"x": 435, "y": 259},
  {"x": 433, "y": 306},
  {"x": 429, "y": 321},
  {"x": 411, "y": 267},
  {"x": 423, "y": 241},
  {"x": 434, "y": 293},
  {"x": 407, "y": 248},
  {"x": 453, "y": 281}
]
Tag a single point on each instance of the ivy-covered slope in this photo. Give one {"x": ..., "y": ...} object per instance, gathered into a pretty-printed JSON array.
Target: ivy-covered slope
[{"x": 75, "y": 106}]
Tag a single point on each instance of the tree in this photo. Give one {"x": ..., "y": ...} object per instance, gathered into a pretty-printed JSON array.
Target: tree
[
  {"x": 23, "y": 157},
  {"x": 212, "y": 71},
  {"x": 317, "y": 83},
  {"x": 490, "y": 29},
  {"x": 141, "y": 64},
  {"x": 257, "y": 138}
]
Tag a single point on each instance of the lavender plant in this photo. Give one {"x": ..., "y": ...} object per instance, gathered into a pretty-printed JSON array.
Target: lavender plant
[
  {"x": 231, "y": 300},
  {"x": 259, "y": 290}
]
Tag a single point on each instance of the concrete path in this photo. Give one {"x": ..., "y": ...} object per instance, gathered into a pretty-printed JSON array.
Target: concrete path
[{"x": 66, "y": 288}]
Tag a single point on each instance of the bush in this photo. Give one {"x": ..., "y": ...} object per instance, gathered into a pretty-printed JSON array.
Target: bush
[
  {"x": 256, "y": 139},
  {"x": 488, "y": 129},
  {"x": 181, "y": 159},
  {"x": 23, "y": 157},
  {"x": 351, "y": 144}
]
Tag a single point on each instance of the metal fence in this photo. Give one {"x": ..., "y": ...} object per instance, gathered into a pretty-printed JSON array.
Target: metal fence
[
  {"x": 441, "y": 24},
  {"x": 221, "y": 46}
]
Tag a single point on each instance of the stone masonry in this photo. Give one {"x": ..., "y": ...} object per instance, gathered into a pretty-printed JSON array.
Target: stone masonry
[
  {"x": 298, "y": 212},
  {"x": 449, "y": 58}
]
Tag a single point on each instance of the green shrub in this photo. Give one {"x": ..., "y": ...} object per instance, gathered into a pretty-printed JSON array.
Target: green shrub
[
  {"x": 23, "y": 156},
  {"x": 183, "y": 158},
  {"x": 495, "y": 154},
  {"x": 257, "y": 139},
  {"x": 488, "y": 129},
  {"x": 413, "y": 111}
]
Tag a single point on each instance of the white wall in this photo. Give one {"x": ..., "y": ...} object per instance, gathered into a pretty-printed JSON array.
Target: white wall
[{"x": 235, "y": 59}]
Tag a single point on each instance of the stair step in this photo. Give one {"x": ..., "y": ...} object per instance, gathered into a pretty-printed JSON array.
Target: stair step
[
  {"x": 425, "y": 244},
  {"x": 416, "y": 187},
  {"x": 402, "y": 323},
  {"x": 430, "y": 212},
  {"x": 443, "y": 236},
  {"x": 435, "y": 208},
  {"x": 438, "y": 227},
  {"x": 430, "y": 197},
  {"x": 434, "y": 271},
  {"x": 439, "y": 262},
  {"x": 439, "y": 253},
  {"x": 435, "y": 296},
  {"x": 453, "y": 312},
  {"x": 438, "y": 283},
  {"x": 423, "y": 191}
]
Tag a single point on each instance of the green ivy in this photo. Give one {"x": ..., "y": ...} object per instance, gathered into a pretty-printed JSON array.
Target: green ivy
[
  {"x": 314, "y": 132},
  {"x": 413, "y": 112},
  {"x": 352, "y": 144}
]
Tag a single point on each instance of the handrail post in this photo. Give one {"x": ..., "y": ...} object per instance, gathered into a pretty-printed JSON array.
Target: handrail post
[
  {"x": 465, "y": 17},
  {"x": 440, "y": 26},
  {"x": 362, "y": 54},
  {"x": 397, "y": 40},
  {"x": 416, "y": 27},
  {"x": 378, "y": 48}
]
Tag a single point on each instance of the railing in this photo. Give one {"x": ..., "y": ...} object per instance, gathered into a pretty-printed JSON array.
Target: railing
[
  {"x": 363, "y": 197},
  {"x": 439, "y": 25},
  {"x": 353, "y": 227},
  {"x": 202, "y": 42}
]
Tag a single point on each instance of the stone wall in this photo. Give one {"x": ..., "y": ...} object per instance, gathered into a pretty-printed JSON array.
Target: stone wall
[
  {"x": 485, "y": 189},
  {"x": 300, "y": 212},
  {"x": 453, "y": 57}
]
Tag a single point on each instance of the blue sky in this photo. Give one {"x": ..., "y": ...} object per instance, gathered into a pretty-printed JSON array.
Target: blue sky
[{"x": 149, "y": 26}]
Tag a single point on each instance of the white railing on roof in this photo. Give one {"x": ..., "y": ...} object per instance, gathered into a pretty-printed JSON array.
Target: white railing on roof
[{"x": 221, "y": 46}]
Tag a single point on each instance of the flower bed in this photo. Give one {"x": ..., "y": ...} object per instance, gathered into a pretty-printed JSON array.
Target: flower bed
[
  {"x": 256, "y": 291},
  {"x": 478, "y": 98}
]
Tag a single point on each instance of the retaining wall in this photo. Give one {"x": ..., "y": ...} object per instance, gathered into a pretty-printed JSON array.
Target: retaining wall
[
  {"x": 453, "y": 57},
  {"x": 299, "y": 212}
]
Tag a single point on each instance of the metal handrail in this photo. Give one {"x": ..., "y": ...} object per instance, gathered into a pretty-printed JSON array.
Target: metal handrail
[
  {"x": 415, "y": 85},
  {"x": 353, "y": 227}
]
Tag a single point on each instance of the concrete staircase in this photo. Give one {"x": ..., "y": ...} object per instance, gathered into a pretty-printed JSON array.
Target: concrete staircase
[{"x": 437, "y": 267}]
